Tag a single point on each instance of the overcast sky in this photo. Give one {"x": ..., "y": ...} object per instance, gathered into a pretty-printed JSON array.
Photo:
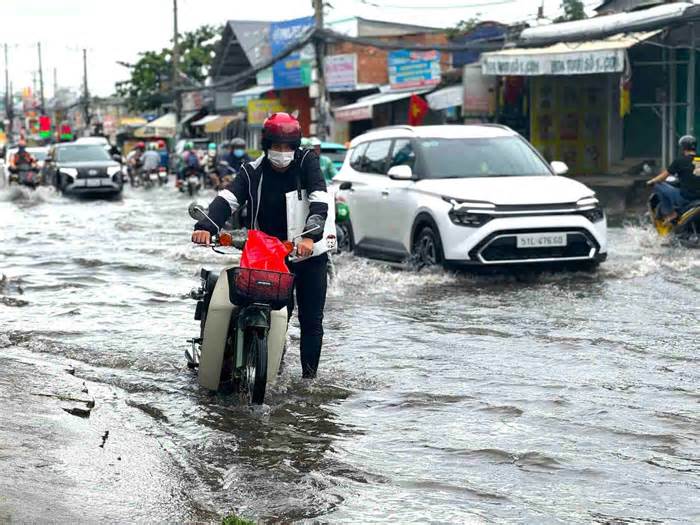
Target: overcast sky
[{"x": 114, "y": 31}]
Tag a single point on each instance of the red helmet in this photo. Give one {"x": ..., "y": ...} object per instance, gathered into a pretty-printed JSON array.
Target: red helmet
[
  {"x": 281, "y": 128},
  {"x": 141, "y": 145},
  {"x": 161, "y": 144}
]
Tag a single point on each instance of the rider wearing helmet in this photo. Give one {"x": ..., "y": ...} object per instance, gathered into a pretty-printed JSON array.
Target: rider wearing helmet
[
  {"x": 672, "y": 199},
  {"x": 150, "y": 160},
  {"x": 190, "y": 161},
  {"x": 133, "y": 160},
  {"x": 22, "y": 159},
  {"x": 236, "y": 156},
  {"x": 274, "y": 187}
]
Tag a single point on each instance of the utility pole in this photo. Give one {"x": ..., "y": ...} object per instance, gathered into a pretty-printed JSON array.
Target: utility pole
[
  {"x": 41, "y": 80},
  {"x": 176, "y": 73},
  {"x": 320, "y": 46},
  {"x": 86, "y": 93},
  {"x": 9, "y": 110}
]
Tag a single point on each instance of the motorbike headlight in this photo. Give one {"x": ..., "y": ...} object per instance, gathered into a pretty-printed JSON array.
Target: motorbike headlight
[
  {"x": 591, "y": 209},
  {"x": 71, "y": 172},
  {"x": 113, "y": 170}
]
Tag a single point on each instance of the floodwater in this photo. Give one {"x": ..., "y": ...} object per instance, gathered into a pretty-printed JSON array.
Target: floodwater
[{"x": 569, "y": 398}]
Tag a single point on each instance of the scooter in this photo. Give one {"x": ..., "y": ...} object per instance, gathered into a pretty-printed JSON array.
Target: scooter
[
  {"x": 685, "y": 228},
  {"x": 162, "y": 176},
  {"x": 192, "y": 182},
  {"x": 151, "y": 178},
  {"x": 25, "y": 175},
  {"x": 243, "y": 323}
]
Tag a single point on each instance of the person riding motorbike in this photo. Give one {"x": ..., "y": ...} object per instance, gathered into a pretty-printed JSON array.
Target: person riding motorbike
[
  {"x": 263, "y": 187},
  {"x": 133, "y": 160},
  {"x": 150, "y": 160},
  {"x": 211, "y": 166},
  {"x": 236, "y": 156},
  {"x": 190, "y": 162},
  {"x": 327, "y": 167},
  {"x": 22, "y": 159},
  {"x": 673, "y": 200},
  {"x": 164, "y": 155}
]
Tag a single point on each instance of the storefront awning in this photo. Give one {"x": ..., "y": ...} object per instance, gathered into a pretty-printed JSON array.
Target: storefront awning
[
  {"x": 362, "y": 109},
  {"x": 132, "y": 121},
  {"x": 564, "y": 58},
  {"x": 446, "y": 97},
  {"x": 219, "y": 123},
  {"x": 161, "y": 127},
  {"x": 205, "y": 120},
  {"x": 240, "y": 98}
]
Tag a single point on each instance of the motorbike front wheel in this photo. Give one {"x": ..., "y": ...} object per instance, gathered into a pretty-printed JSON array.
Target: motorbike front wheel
[{"x": 255, "y": 367}]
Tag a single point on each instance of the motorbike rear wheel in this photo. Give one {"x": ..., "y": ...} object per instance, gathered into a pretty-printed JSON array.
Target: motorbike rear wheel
[{"x": 255, "y": 379}]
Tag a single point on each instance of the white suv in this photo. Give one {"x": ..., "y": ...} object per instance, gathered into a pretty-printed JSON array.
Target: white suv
[{"x": 466, "y": 195}]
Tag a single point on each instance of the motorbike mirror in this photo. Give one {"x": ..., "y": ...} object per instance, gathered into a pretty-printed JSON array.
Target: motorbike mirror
[
  {"x": 196, "y": 212},
  {"x": 115, "y": 158}
]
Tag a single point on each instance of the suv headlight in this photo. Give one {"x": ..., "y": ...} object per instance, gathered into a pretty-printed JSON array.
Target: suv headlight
[
  {"x": 113, "y": 170},
  {"x": 591, "y": 209},
  {"x": 71, "y": 172},
  {"x": 467, "y": 213}
]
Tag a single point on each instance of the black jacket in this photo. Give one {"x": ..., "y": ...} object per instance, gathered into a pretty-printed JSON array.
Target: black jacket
[{"x": 263, "y": 190}]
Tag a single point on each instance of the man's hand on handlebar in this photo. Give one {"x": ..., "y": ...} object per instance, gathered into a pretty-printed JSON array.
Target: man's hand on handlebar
[{"x": 201, "y": 237}]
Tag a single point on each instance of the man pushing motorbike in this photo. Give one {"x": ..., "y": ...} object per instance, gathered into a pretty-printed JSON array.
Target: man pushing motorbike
[
  {"x": 673, "y": 200},
  {"x": 263, "y": 186}
]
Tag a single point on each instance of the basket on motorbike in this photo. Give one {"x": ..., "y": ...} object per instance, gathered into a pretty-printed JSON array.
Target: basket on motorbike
[{"x": 248, "y": 285}]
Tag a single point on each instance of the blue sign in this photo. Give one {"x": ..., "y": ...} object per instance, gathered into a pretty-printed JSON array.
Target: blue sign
[
  {"x": 295, "y": 70},
  {"x": 414, "y": 69}
]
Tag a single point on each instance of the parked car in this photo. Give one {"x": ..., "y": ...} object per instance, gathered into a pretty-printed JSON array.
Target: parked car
[
  {"x": 466, "y": 195},
  {"x": 84, "y": 169}
]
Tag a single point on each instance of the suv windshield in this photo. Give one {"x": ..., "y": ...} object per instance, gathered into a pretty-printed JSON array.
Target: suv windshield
[
  {"x": 479, "y": 157},
  {"x": 82, "y": 153}
]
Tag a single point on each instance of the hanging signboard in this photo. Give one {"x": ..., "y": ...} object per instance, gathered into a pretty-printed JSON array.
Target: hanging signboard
[
  {"x": 340, "y": 72},
  {"x": 412, "y": 69},
  {"x": 258, "y": 110},
  {"x": 568, "y": 63},
  {"x": 294, "y": 70},
  {"x": 479, "y": 92}
]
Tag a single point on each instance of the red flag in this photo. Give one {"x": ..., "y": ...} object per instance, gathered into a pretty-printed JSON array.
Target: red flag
[{"x": 417, "y": 109}]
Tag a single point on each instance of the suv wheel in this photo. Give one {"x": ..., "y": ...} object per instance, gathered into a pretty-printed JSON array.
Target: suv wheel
[{"x": 427, "y": 248}]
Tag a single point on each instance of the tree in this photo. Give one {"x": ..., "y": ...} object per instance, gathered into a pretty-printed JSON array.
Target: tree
[
  {"x": 149, "y": 86},
  {"x": 463, "y": 27},
  {"x": 573, "y": 10}
]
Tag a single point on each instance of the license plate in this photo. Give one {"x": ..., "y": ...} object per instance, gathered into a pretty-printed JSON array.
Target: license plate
[
  {"x": 153, "y": 176},
  {"x": 92, "y": 183},
  {"x": 541, "y": 240},
  {"x": 193, "y": 180}
]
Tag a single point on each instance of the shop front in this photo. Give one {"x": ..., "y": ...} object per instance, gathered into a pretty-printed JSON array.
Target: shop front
[{"x": 574, "y": 97}]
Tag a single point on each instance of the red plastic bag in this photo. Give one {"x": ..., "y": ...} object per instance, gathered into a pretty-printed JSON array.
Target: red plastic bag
[{"x": 264, "y": 252}]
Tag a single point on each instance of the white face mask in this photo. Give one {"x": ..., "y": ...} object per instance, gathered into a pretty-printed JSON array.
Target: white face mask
[{"x": 280, "y": 159}]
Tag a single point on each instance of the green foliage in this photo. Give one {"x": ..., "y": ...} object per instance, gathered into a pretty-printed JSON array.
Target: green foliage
[
  {"x": 149, "y": 86},
  {"x": 463, "y": 27},
  {"x": 235, "y": 520},
  {"x": 573, "y": 10}
]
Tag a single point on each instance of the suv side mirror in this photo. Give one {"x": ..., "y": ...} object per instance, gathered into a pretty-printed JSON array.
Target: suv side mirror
[
  {"x": 402, "y": 172},
  {"x": 559, "y": 167},
  {"x": 345, "y": 185}
]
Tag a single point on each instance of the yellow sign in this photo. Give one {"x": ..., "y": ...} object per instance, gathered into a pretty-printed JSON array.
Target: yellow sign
[{"x": 258, "y": 110}]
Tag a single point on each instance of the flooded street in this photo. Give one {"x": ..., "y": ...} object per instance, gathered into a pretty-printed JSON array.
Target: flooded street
[{"x": 567, "y": 398}]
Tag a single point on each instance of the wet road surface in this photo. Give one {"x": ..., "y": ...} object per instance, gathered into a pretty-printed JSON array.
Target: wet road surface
[{"x": 567, "y": 398}]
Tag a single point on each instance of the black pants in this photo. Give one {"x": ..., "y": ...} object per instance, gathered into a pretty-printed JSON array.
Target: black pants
[{"x": 310, "y": 284}]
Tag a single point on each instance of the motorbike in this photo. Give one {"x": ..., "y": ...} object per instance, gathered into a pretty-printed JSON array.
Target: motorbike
[
  {"x": 25, "y": 175},
  {"x": 192, "y": 182},
  {"x": 162, "y": 176},
  {"x": 150, "y": 178},
  {"x": 686, "y": 228},
  {"x": 243, "y": 323}
]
